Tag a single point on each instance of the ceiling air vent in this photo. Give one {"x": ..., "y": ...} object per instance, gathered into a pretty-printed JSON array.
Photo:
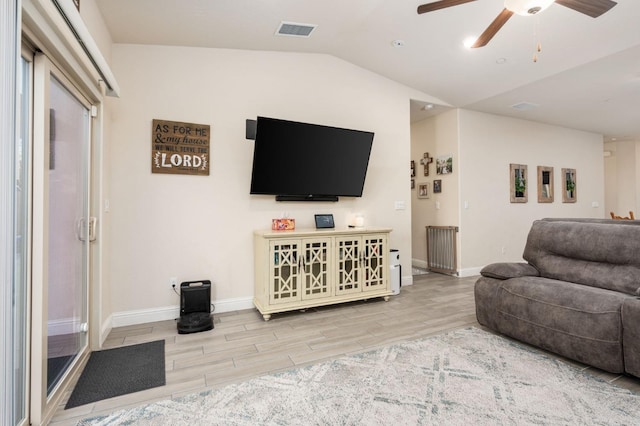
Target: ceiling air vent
[{"x": 295, "y": 29}]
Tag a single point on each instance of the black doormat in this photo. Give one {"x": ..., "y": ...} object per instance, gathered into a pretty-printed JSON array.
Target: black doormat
[
  {"x": 55, "y": 370},
  {"x": 119, "y": 371}
]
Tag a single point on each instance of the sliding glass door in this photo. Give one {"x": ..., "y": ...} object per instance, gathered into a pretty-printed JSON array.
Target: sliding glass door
[
  {"x": 68, "y": 226},
  {"x": 21, "y": 197},
  {"x": 62, "y": 231}
]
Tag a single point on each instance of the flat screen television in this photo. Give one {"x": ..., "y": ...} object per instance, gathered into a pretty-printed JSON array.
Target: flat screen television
[{"x": 308, "y": 162}]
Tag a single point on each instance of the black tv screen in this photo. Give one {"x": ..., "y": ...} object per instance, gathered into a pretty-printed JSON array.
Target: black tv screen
[{"x": 308, "y": 161}]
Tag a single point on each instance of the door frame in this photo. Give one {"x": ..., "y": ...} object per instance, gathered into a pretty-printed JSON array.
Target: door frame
[
  {"x": 62, "y": 35},
  {"x": 43, "y": 405}
]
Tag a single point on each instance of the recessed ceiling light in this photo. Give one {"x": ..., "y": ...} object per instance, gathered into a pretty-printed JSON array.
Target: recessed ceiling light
[{"x": 397, "y": 43}]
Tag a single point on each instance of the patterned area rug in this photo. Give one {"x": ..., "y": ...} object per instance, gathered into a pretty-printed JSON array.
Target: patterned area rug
[{"x": 460, "y": 378}]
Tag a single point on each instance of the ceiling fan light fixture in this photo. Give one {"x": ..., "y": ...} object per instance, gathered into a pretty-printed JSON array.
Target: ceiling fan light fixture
[
  {"x": 469, "y": 42},
  {"x": 527, "y": 7}
]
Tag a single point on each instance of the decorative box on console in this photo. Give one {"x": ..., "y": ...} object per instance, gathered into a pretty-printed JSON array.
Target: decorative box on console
[{"x": 283, "y": 224}]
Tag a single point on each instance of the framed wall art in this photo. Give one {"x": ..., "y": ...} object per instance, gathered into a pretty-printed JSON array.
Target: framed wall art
[
  {"x": 545, "y": 184},
  {"x": 437, "y": 186},
  {"x": 412, "y": 166},
  {"x": 569, "y": 190},
  {"x": 518, "y": 183},
  {"x": 423, "y": 190},
  {"x": 444, "y": 164}
]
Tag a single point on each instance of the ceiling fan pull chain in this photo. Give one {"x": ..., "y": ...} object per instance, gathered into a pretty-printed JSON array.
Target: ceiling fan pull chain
[
  {"x": 536, "y": 37},
  {"x": 538, "y": 50}
]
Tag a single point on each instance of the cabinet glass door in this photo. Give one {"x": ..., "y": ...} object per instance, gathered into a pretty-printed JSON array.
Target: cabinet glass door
[
  {"x": 316, "y": 268},
  {"x": 285, "y": 272},
  {"x": 348, "y": 265},
  {"x": 375, "y": 261}
]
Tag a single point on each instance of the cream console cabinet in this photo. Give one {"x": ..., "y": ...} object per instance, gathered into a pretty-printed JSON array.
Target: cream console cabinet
[{"x": 301, "y": 269}]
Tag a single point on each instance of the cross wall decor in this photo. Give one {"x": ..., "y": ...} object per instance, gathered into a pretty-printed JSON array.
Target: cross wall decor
[{"x": 426, "y": 161}]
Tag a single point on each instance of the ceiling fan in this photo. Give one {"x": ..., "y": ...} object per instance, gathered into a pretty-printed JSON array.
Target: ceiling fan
[{"x": 593, "y": 8}]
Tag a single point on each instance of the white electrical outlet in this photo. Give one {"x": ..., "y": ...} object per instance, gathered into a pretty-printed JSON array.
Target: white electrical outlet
[{"x": 173, "y": 281}]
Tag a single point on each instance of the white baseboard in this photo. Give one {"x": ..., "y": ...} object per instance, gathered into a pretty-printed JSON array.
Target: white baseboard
[
  {"x": 470, "y": 272},
  {"x": 63, "y": 326},
  {"x": 407, "y": 280},
  {"x": 419, "y": 263},
  {"x": 106, "y": 328},
  {"x": 143, "y": 316},
  {"x": 467, "y": 272},
  {"x": 230, "y": 305}
]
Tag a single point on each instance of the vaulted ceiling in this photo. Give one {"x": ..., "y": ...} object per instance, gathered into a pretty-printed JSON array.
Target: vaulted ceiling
[{"x": 586, "y": 77}]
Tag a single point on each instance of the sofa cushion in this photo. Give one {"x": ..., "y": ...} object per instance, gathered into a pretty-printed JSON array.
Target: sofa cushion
[
  {"x": 576, "y": 321},
  {"x": 603, "y": 255},
  {"x": 506, "y": 270}
]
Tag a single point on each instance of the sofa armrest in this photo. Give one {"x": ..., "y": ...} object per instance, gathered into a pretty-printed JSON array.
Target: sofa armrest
[
  {"x": 504, "y": 271},
  {"x": 631, "y": 335}
]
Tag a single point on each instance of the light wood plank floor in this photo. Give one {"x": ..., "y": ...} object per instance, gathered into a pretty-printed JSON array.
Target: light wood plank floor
[{"x": 242, "y": 345}]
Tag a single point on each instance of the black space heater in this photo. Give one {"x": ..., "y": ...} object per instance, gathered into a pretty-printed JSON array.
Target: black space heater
[{"x": 195, "y": 307}]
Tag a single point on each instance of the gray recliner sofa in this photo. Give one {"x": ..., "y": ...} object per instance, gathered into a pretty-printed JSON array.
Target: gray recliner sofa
[{"x": 578, "y": 295}]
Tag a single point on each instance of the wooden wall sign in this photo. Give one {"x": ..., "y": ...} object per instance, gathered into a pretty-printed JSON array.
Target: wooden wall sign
[{"x": 180, "y": 148}]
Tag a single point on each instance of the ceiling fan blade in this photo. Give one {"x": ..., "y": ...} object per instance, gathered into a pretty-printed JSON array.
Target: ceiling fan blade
[
  {"x": 593, "y": 8},
  {"x": 493, "y": 28},
  {"x": 442, "y": 4}
]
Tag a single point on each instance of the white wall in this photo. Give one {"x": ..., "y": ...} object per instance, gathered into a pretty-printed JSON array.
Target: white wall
[
  {"x": 622, "y": 183},
  {"x": 436, "y": 135},
  {"x": 488, "y": 144},
  {"x": 476, "y": 196},
  {"x": 610, "y": 178},
  {"x": 94, "y": 21},
  {"x": 195, "y": 227}
]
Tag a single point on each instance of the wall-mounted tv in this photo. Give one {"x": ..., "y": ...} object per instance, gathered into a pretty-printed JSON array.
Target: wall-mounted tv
[{"x": 308, "y": 162}]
